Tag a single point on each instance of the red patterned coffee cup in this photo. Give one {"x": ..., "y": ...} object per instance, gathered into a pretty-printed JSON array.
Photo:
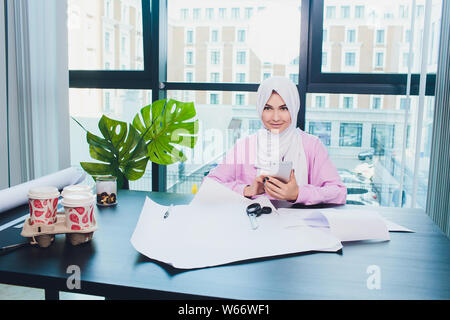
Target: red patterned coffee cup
[
  {"x": 79, "y": 211},
  {"x": 43, "y": 203}
]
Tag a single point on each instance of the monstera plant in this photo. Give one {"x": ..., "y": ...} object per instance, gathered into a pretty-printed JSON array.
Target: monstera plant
[{"x": 156, "y": 131}]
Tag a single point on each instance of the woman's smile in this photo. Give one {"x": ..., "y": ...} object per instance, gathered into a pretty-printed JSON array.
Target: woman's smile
[{"x": 276, "y": 125}]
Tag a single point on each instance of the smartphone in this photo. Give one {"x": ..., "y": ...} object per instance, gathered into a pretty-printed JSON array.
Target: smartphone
[{"x": 282, "y": 171}]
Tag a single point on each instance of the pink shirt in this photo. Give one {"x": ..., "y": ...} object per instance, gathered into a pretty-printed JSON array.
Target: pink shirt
[{"x": 237, "y": 170}]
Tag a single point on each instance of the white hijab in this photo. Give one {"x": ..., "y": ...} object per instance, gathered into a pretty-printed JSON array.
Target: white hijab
[{"x": 272, "y": 148}]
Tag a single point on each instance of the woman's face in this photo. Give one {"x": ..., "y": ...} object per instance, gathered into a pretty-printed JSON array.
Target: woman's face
[{"x": 276, "y": 116}]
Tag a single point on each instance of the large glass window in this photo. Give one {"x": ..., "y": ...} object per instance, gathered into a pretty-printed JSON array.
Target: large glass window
[
  {"x": 379, "y": 25},
  {"x": 216, "y": 136},
  {"x": 212, "y": 42},
  {"x": 235, "y": 31},
  {"x": 366, "y": 142}
]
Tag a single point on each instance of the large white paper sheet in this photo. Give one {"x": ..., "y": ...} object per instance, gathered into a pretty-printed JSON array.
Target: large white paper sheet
[
  {"x": 209, "y": 233},
  {"x": 17, "y": 195},
  {"x": 214, "y": 229}
]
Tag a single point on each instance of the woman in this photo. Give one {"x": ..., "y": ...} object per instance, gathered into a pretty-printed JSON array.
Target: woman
[{"x": 314, "y": 178}]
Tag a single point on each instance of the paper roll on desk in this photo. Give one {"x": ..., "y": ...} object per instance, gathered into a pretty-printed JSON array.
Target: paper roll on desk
[{"x": 17, "y": 195}]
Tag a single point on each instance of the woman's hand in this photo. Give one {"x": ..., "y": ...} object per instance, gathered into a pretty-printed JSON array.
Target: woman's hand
[
  {"x": 257, "y": 187},
  {"x": 280, "y": 190}
]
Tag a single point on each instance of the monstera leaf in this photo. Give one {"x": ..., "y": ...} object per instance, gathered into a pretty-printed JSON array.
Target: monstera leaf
[
  {"x": 122, "y": 151},
  {"x": 163, "y": 125}
]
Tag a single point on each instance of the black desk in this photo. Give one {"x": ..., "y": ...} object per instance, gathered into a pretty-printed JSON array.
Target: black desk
[{"x": 412, "y": 265}]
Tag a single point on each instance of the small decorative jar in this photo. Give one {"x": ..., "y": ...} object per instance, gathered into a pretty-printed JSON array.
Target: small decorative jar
[{"x": 106, "y": 188}]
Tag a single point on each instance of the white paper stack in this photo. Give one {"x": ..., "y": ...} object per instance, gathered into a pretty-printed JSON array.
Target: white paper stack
[{"x": 346, "y": 224}]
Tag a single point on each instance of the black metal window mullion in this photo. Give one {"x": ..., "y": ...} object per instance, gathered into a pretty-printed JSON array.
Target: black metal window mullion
[
  {"x": 303, "y": 62},
  {"x": 155, "y": 33}
]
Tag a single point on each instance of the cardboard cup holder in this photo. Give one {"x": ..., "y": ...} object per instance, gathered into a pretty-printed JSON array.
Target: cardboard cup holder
[{"x": 43, "y": 235}]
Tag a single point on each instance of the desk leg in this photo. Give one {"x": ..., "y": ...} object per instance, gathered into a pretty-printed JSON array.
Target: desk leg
[{"x": 51, "y": 294}]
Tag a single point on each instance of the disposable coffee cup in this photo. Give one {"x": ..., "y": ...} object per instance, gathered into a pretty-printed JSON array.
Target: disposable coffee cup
[
  {"x": 79, "y": 210},
  {"x": 77, "y": 188},
  {"x": 43, "y": 203}
]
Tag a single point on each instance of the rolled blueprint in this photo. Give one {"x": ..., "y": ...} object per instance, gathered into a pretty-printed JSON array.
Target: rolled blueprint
[{"x": 17, "y": 195}]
